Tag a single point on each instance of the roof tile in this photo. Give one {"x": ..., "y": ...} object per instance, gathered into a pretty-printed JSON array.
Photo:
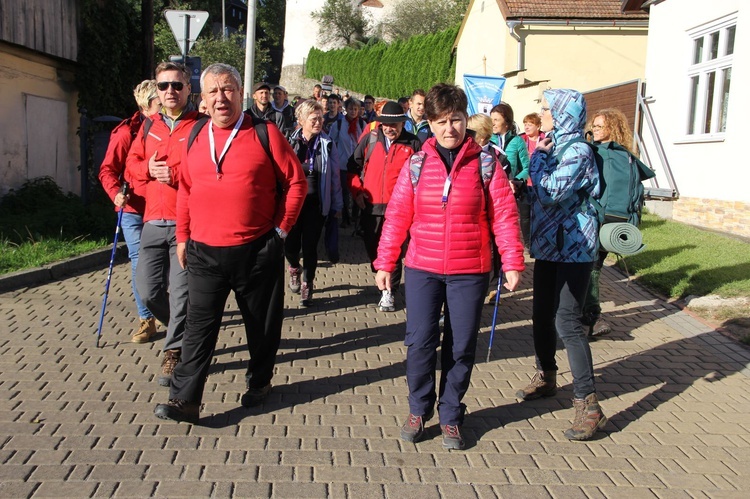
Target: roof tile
[{"x": 569, "y": 9}]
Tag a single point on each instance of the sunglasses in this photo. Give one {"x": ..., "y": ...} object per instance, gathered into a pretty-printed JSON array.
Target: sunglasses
[{"x": 163, "y": 85}]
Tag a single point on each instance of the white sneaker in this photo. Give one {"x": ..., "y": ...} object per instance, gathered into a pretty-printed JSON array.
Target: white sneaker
[{"x": 386, "y": 303}]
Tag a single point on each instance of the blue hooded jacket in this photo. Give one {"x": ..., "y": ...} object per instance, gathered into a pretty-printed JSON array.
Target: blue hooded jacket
[{"x": 564, "y": 223}]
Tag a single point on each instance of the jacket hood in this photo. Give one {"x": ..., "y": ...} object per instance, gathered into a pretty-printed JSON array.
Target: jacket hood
[{"x": 568, "y": 108}]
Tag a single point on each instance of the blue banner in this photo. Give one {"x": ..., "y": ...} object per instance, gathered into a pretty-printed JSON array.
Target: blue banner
[{"x": 483, "y": 92}]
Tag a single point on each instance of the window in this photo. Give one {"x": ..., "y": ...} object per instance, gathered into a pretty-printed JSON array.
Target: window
[{"x": 709, "y": 77}]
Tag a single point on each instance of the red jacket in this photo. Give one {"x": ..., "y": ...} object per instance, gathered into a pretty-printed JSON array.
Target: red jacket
[
  {"x": 161, "y": 199},
  {"x": 377, "y": 178},
  {"x": 454, "y": 239},
  {"x": 244, "y": 204},
  {"x": 112, "y": 170}
]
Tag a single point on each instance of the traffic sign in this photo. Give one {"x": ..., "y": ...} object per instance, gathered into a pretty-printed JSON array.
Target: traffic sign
[{"x": 186, "y": 25}]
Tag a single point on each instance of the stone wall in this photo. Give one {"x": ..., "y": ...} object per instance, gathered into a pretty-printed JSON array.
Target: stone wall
[
  {"x": 295, "y": 82},
  {"x": 732, "y": 217}
]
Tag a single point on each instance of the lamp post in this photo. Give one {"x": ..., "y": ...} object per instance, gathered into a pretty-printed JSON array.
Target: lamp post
[{"x": 249, "y": 52}]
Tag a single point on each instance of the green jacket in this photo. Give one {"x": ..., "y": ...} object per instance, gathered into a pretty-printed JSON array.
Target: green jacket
[{"x": 518, "y": 154}]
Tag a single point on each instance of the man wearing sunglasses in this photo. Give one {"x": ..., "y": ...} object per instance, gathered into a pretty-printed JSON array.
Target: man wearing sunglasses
[{"x": 155, "y": 158}]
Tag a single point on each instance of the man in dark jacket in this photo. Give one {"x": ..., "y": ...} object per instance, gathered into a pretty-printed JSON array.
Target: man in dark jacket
[
  {"x": 281, "y": 105},
  {"x": 261, "y": 107},
  {"x": 373, "y": 170}
]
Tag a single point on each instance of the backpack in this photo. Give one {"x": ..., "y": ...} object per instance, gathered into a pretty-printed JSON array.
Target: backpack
[
  {"x": 620, "y": 176},
  {"x": 485, "y": 167}
]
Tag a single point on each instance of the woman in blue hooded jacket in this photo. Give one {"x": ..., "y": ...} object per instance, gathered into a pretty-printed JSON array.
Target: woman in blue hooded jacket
[{"x": 564, "y": 242}]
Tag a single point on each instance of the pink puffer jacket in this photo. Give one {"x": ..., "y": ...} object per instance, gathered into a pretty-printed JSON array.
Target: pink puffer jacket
[{"x": 454, "y": 239}]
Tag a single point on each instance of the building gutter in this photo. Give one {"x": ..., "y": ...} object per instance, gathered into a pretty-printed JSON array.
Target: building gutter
[{"x": 513, "y": 24}]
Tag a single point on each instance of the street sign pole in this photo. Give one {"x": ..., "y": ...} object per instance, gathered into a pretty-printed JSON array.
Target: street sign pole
[
  {"x": 187, "y": 39},
  {"x": 179, "y": 22}
]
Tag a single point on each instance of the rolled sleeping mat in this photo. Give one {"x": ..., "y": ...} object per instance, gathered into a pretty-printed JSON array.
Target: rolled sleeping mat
[{"x": 621, "y": 238}]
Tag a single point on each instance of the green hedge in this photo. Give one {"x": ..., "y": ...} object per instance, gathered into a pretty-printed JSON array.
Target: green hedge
[{"x": 389, "y": 70}]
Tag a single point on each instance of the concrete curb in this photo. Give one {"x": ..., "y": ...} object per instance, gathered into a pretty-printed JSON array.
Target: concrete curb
[{"x": 55, "y": 271}]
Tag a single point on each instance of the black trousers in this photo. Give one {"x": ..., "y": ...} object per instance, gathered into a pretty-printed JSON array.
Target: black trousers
[
  {"x": 255, "y": 272},
  {"x": 305, "y": 236},
  {"x": 372, "y": 227},
  {"x": 559, "y": 292}
]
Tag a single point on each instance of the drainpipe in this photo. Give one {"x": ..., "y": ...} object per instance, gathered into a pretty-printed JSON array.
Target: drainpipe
[{"x": 512, "y": 25}]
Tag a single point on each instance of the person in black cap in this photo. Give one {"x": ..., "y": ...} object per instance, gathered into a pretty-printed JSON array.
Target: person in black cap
[
  {"x": 262, "y": 108},
  {"x": 373, "y": 170}
]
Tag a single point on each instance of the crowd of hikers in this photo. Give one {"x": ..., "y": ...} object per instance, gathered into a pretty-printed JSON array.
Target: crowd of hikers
[{"x": 219, "y": 199}]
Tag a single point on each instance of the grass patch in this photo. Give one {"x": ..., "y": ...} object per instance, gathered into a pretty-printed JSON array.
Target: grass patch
[
  {"x": 39, "y": 225},
  {"x": 680, "y": 260}
]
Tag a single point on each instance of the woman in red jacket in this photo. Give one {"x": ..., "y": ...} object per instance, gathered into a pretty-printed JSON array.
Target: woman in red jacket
[{"x": 450, "y": 216}]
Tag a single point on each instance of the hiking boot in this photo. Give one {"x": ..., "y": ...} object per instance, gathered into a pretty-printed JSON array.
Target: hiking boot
[
  {"x": 146, "y": 330},
  {"x": 168, "y": 362},
  {"x": 294, "y": 273},
  {"x": 600, "y": 328},
  {"x": 254, "y": 396},
  {"x": 305, "y": 295},
  {"x": 178, "y": 410},
  {"x": 588, "y": 418},
  {"x": 543, "y": 384},
  {"x": 387, "y": 303},
  {"x": 452, "y": 438},
  {"x": 413, "y": 429}
]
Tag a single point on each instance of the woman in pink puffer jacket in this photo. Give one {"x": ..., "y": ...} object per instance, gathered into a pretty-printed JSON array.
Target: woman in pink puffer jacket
[{"x": 450, "y": 216}]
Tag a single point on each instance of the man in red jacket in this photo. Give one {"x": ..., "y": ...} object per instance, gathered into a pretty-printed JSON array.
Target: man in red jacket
[
  {"x": 111, "y": 176},
  {"x": 373, "y": 169},
  {"x": 155, "y": 159},
  {"x": 234, "y": 208}
]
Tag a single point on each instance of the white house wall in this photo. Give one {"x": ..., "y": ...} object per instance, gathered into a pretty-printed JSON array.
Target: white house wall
[
  {"x": 716, "y": 170},
  {"x": 484, "y": 35}
]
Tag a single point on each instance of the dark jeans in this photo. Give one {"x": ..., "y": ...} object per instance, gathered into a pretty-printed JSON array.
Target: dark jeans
[
  {"x": 372, "y": 228},
  {"x": 426, "y": 294},
  {"x": 559, "y": 291},
  {"x": 305, "y": 236},
  {"x": 255, "y": 272}
]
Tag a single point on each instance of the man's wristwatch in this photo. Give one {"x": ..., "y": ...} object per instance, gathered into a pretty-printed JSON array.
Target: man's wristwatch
[{"x": 282, "y": 233}]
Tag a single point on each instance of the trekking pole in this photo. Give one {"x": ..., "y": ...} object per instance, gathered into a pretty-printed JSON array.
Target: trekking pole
[
  {"x": 123, "y": 191},
  {"x": 494, "y": 315}
]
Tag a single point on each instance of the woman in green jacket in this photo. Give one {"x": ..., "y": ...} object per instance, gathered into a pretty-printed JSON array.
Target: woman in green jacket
[{"x": 515, "y": 149}]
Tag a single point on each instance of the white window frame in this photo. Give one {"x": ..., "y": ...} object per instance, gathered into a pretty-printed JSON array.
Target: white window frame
[{"x": 695, "y": 129}]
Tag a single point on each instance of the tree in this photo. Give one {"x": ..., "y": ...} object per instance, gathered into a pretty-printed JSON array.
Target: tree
[
  {"x": 421, "y": 17},
  {"x": 270, "y": 26},
  {"x": 341, "y": 21}
]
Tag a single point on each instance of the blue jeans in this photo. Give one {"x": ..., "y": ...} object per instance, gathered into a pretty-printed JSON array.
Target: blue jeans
[
  {"x": 132, "y": 225},
  {"x": 462, "y": 296}
]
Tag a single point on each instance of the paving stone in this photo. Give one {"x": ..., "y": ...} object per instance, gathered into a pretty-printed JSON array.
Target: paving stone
[{"x": 78, "y": 421}]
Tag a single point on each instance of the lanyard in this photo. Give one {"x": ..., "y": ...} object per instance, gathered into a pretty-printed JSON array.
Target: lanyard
[
  {"x": 311, "y": 154},
  {"x": 446, "y": 190},
  {"x": 212, "y": 145}
]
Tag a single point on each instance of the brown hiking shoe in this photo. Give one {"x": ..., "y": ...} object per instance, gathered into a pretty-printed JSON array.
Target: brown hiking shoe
[
  {"x": 543, "y": 384},
  {"x": 168, "y": 362},
  {"x": 600, "y": 328},
  {"x": 413, "y": 429},
  {"x": 146, "y": 330},
  {"x": 452, "y": 438},
  {"x": 588, "y": 418},
  {"x": 178, "y": 410}
]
